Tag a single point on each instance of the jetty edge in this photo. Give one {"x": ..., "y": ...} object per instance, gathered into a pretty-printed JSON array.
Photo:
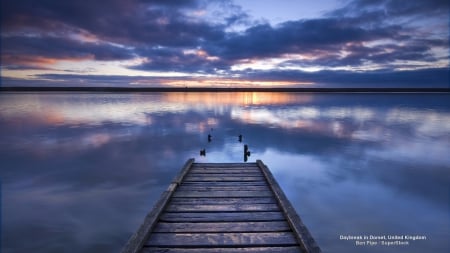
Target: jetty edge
[{"x": 222, "y": 207}]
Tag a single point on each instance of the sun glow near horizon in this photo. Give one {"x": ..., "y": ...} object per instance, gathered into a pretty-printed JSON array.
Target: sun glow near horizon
[{"x": 235, "y": 43}]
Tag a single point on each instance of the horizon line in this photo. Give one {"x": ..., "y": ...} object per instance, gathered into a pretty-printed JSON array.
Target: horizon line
[{"x": 224, "y": 89}]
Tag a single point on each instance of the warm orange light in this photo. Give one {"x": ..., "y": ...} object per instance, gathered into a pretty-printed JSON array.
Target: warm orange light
[
  {"x": 236, "y": 98},
  {"x": 223, "y": 82},
  {"x": 34, "y": 61},
  {"x": 201, "y": 54},
  {"x": 39, "y": 61}
]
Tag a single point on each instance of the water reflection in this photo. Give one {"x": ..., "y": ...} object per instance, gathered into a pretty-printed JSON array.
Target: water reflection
[
  {"x": 213, "y": 100},
  {"x": 80, "y": 171}
]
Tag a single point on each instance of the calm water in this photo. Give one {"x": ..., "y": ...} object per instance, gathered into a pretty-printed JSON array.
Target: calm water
[{"x": 79, "y": 171}]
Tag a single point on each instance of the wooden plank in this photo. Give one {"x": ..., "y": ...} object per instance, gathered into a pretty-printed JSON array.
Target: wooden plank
[
  {"x": 224, "y": 179},
  {"x": 215, "y": 207},
  {"x": 244, "y": 168},
  {"x": 223, "y": 201},
  {"x": 203, "y": 227},
  {"x": 204, "y": 183},
  {"x": 224, "y": 165},
  {"x": 303, "y": 236},
  {"x": 288, "y": 249},
  {"x": 234, "y": 170},
  {"x": 222, "y": 216},
  {"x": 137, "y": 240},
  {"x": 224, "y": 188},
  {"x": 238, "y": 175},
  {"x": 221, "y": 208},
  {"x": 260, "y": 176},
  {"x": 226, "y": 173},
  {"x": 222, "y": 194},
  {"x": 225, "y": 170},
  {"x": 222, "y": 239}
]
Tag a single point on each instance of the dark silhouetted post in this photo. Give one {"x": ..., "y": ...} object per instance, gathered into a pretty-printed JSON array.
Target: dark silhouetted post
[{"x": 246, "y": 152}]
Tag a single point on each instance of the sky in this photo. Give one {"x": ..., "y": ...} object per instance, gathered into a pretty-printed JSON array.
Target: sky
[{"x": 225, "y": 43}]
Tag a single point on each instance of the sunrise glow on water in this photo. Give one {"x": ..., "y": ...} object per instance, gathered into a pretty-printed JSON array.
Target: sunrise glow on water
[
  {"x": 346, "y": 101},
  {"x": 80, "y": 171}
]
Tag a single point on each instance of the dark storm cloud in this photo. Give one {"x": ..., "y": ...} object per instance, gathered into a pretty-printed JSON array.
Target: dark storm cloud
[
  {"x": 48, "y": 14},
  {"x": 396, "y": 7},
  {"x": 43, "y": 29},
  {"x": 59, "y": 48},
  {"x": 131, "y": 22},
  {"x": 177, "y": 59},
  {"x": 323, "y": 38},
  {"x": 163, "y": 31},
  {"x": 176, "y": 3},
  {"x": 301, "y": 36},
  {"x": 437, "y": 77},
  {"x": 358, "y": 54}
]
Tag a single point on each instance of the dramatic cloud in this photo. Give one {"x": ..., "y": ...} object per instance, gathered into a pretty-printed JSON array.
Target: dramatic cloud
[
  {"x": 396, "y": 8},
  {"x": 297, "y": 37},
  {"x": 220, "y": 39},
  {"x": 32, "y": 50},
  {"x": 378, "y": 78}
]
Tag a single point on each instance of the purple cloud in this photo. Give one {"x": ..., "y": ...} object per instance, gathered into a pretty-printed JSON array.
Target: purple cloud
[{"x": 174, "y": 36}]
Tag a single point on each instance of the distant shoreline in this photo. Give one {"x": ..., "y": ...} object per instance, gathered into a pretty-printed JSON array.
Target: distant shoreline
[{"x": 205, "y": 89}]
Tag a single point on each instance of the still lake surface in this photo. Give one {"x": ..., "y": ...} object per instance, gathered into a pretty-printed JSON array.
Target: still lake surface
[{"x": 79, "y": 171}]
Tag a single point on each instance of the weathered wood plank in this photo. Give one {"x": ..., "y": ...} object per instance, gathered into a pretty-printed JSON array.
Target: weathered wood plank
[
  {"x": 288, "y": 249},
  {"x": 197, "y": 167},
  {"x": 234, "y": 171},
  {"x": 202, "y": 227},
  {"x": 222, "y": 216},
  {"x": 224, "y": 188},
  {"x": 226, "y": 174},
  {"x": 225, "y": 170},
  {"x": 224, "y": 165},
  {"x": 221, "y": 239},
  {"x": 261, "y": 176},
  {"x": 222, "y": 194},
  {"x": 238, "y": 175},
  {"x": 303, "y": 236},
  {"x": 223, "y": 201},
  {"x": 224, "y": 178},
  {"x": 221, "y": 208},
  {"x": 205, "y": 183},
  {"x": 137, "y": 240}
]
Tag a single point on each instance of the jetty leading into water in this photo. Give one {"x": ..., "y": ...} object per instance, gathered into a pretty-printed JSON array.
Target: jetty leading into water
[{"x": 222, "y": 207}]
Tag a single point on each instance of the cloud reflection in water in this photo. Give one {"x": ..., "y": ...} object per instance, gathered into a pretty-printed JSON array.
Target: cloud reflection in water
[{"x": 80, "y": 171}]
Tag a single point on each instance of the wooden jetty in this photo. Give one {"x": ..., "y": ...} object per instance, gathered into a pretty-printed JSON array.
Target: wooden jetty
[{"x": 222, "y": 207}]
